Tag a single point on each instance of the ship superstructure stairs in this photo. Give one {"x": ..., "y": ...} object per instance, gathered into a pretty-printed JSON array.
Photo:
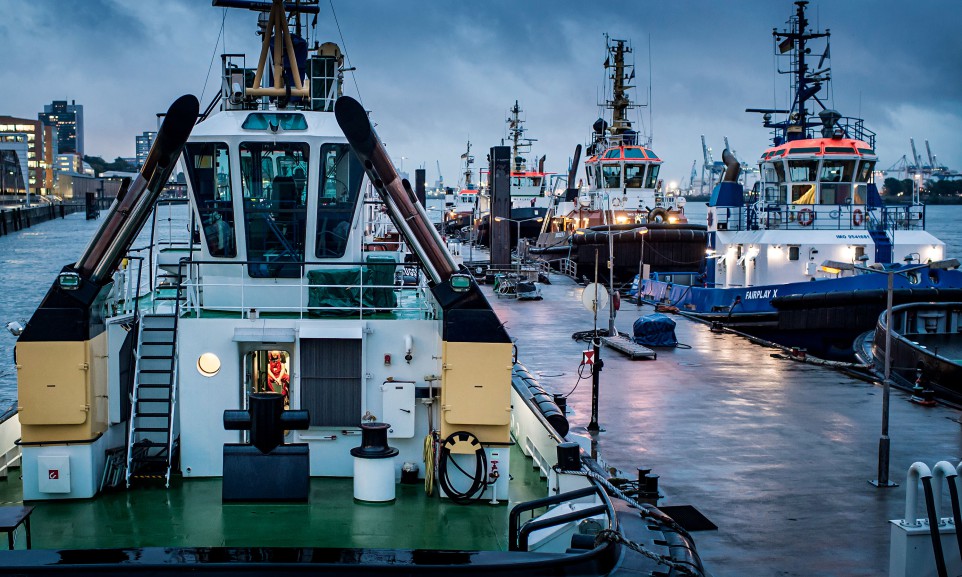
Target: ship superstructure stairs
[
  {"x": 151, "y": 442},
  {"x": 151, "y": 435}
]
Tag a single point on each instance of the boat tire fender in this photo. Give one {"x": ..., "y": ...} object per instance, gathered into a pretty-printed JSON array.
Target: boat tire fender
[{"x": 658, "y": 215}]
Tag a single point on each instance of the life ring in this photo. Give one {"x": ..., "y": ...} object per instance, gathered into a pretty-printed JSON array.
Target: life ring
[
  {"x": 806, "y": 217},
  {"x": 857, "y": 217}
]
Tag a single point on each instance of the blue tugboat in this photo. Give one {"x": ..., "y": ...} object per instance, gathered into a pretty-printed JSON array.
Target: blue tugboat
[{"x": 797, "y": 260}]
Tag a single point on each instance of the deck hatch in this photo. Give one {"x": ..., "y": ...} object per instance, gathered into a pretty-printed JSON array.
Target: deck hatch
[{"x": 331, "y": 381}]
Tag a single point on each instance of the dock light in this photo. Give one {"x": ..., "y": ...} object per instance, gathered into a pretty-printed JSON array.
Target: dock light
[
  {"x": 672, "y": 220},
  {"x": 835, "y": 267},
  {"x": 208, "y": 364},
  {"x": 15, "y": 328}
]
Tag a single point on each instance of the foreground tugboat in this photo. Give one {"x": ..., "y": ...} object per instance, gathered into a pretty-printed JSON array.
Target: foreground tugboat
[
  {"x": 274, "y": 358},
  {"x": 816, "y": 216}
]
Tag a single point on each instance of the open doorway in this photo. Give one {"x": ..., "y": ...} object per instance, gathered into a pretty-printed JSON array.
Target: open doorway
[{"x": 268, "y": 371}]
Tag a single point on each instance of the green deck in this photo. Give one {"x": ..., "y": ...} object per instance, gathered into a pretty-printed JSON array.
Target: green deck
[{"x": 190, "y": 513}]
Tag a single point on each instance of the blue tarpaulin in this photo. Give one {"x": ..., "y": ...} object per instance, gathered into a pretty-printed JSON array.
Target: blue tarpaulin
[{"x": 655, "y": 330}]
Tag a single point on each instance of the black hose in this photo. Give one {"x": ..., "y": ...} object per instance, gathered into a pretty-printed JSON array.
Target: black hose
[
  {"x": 956, "y": 515},
  {"x": 934, "y": 527},
  {"x": 478, "y": 481}
]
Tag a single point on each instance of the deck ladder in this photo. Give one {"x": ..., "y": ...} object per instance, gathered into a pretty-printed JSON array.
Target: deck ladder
[{"x": 150, "y": 441}]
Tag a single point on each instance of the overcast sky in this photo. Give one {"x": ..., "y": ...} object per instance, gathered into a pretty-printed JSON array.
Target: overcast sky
[{"x": 438, "y": 73}]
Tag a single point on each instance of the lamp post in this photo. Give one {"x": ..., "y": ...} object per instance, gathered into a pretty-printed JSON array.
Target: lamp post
[
  {"x": 882, "y": 480},
  {"x": 641, "y": 264},
  {"x": 518, "y": 222}
]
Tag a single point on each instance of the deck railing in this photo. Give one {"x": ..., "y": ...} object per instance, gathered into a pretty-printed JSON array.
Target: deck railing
[
  {"x": 821, "y": 217},
  {"x": 352, "y": 289}
]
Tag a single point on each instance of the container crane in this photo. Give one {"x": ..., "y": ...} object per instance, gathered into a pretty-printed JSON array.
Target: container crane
[{"x": 710, "y": 167}]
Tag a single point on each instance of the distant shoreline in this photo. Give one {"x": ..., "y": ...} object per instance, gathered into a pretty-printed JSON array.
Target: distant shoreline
[{"x": 928, "y": 200}]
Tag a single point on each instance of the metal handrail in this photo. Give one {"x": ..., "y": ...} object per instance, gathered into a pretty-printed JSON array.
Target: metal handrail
[
  {"x": 518, "y": 536},
  {"x": 193, "y": 281}
]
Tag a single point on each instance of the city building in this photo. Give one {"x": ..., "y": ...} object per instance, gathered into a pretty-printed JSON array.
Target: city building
[
  {"x": 69, "y": 162},
  {"x": 42, "y": 150},
  {"x": 13, "y": 165},
  {"x": 144, "y": 142},
  {"x": 69, "y": 120}
]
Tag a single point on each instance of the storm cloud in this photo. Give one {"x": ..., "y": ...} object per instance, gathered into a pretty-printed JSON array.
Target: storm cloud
[{"x": 436, "y": 74}]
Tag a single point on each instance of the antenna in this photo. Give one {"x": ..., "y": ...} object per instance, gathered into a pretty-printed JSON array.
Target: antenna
[{"x": 651, "y": 121}]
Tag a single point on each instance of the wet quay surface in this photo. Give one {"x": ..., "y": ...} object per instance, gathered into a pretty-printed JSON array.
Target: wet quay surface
[{"x": 775, "y": 452}]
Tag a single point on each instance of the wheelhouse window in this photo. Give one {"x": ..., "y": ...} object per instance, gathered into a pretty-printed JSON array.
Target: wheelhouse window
[
  {"x": 341, "y": 176},
  {"x": 208, "y": 168},
  {"x": 779, "y": 171},
  {"x": 802, "y": 170},
  {"x": 274, "y": 182},
  {"x": 774, "y": 194},
  {"x": 865, "y": 171},
  {"x": 803, "y": 194},
  {"x": 837, "y": 170},
  {"x": 634, "y": 175},
  {"x": 652, "y": 180},
  {"x": 612, "y": 175}
]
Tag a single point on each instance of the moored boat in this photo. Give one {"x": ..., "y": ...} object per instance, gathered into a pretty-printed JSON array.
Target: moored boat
[
  {"x": 924, "y": 349},
  {"x": 801, "y": 259},
  {"x": 622, "y": 196}
]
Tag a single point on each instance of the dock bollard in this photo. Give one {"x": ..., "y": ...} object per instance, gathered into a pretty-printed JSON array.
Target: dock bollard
[{"x": 650, "y": 490}]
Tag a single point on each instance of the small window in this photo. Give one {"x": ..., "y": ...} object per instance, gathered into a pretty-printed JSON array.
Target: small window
[
  {"x": 613, "y": 153},
  {"x": 651, "y": 154},
  {"x": 859, "y": 194},
  {"x": 803, "y": 194},
  {"x": 612, "y": 174},
  {"x": 634, "y": 153},
  {"x": 802, "y": 170},
  {"x": 779, "y": 171},
  {"x": 859, "y": 252},
  {"x": 793, "y": 253},
  {"x": 865, "y": 170},
  {"x": 209, "y": 170},
  {"x": 634, "y": 175},
  {"x": 652, "y": 179},
  {"x": 340, "y": 185},
  {"x": 837, "y": 170},
  {"x": 274, "y": 121}
]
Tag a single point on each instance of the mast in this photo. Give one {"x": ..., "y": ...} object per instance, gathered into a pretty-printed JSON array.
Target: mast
[
  {"x": 620, "y": 103},
  {"x": 468, "y": 161},
  {"x": 519, "y": 144}
]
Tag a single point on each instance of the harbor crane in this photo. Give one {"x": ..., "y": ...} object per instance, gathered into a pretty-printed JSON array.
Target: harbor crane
[{"x": 710, "y": 167}]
